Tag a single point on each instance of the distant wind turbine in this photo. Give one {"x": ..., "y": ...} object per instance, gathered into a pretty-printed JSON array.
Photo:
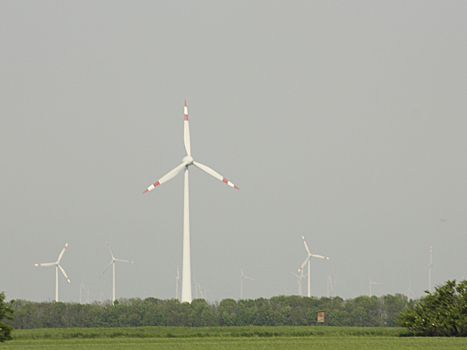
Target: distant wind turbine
[
  {"x": 84, "y": 287},
  {"x": 410, "y": 291},
  {"x": 371, "y": 283},
  {"x": 186, "y": 162},
  {"x": 429, "y": 268},
  {"x": 112, "y": 262},
  {"x": 57, "y": 266},
  {"x": 242, "y": 276},
  {"x": 307, "y": 260},
  {"x": 300, "y": 276},
  {"x": 329, "y": 285},
  {"x": 177, "y": 283}
]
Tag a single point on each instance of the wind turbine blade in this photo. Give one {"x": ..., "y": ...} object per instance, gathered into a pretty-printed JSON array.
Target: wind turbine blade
[
  {"x": 166, "y": 177},
  {"x": 319, "y": 256},
  {"x": 306, "y": 260},
  {"x": 64, "y": 274},
  {"x": 110, "y": 264},
  {"x": 45, "y": 264},
  {"x": 62, "y": 252},
  {"x": 110, "y": 250},
  {"x": 186, "y": 132},
  {"x": 215, "y": 174},
  {"x": 306, "y": 246},
  {"x": 126, "y": 261}
]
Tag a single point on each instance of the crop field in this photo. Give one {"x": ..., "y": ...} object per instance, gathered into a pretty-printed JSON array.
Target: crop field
[{"x": 227, "y": 338}]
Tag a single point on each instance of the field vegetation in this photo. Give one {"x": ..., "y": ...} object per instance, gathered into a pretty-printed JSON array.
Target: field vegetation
[{"x": 226, "y": 338}]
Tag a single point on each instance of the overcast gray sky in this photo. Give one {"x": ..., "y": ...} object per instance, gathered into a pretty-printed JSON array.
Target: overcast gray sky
[{"x": 342, "y": 121}]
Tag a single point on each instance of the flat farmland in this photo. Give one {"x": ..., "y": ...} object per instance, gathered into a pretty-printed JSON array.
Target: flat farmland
[{"x": 227, "y": 338}]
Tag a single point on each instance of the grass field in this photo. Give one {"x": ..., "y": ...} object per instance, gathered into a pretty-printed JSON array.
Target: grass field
[{"x": 269, "y": 338}]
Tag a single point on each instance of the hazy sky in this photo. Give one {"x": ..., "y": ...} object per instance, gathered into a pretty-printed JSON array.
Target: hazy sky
[{"x": 341, "y": 121}]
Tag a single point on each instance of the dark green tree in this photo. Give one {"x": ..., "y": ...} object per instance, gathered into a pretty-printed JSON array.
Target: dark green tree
[
  {"x": 441, "y": 313},
  {"x": 6, "y": 311}
]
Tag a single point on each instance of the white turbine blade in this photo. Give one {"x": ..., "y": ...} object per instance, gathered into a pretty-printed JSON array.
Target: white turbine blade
[
  {"x": 319, "y": 256},
  {"x": 306, "y": 260},
  {"x": 306, "y": 246},
  {"x": 215, "y": 174},
  {"x": 45, "y": 264},
  {"x": 248, "y": 278},
  {"x": 62, "y": 252},
  {"x": 64, "y": 274},
  {"x": 166, "y": 177},
  {"x": 110, "y": 264},
  {"x": 126, "y": 261},
  {"x": 186, "y": 132},
  {"x": 110, "y": 250}
]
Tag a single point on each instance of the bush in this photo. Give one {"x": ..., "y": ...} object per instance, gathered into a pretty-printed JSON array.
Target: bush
[
  {"x": 443, "y": 313},
  {"x": 5, "y": 312}
]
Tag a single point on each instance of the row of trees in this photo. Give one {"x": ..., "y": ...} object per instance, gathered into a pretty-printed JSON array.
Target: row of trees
[{"x": 362, "y": 311}]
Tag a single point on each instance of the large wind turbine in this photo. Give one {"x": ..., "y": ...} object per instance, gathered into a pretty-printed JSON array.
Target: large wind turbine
[
  {"x": 429, "y": 269},
  {"x": 186, "y": 162},
  {"x": 57, "y": 266},
  {"x": 112, "y": 262},
  {"x": 307, "y": 260}
]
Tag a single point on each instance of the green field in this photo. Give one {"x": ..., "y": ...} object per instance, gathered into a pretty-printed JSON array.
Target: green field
[{"x": 227, "y": 338}]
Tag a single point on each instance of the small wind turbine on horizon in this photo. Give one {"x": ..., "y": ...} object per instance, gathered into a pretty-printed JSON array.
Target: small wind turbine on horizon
[
  {"x": 112, "y": 262},
  {"x": 177, "y": 283},
  {"x": 307, "y": 260},
  {"x": 84, "y": 287},
  {"x": 242, "y": 276},
  {"x": 371, "y": 283},
  {"x": 330, "y": 285},
  {"x": 410, "y": 291},
  {"x": 429, "y": 268},
  {"x": 57, "y": 266},
  {"x": 186, "y": 162},
  {"x": 300, "y": 276}
]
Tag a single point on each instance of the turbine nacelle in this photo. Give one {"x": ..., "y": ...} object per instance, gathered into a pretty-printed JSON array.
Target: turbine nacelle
[{"x": 188, "y": 160}]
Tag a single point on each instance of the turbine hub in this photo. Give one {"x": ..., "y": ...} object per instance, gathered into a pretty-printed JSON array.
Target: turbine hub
[{"x": 188, "y": 160}]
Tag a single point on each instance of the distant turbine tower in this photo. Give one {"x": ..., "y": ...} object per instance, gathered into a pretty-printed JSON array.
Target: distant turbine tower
[
  {"x": 242, "y": 276},
  {"x": 186, "y": 162},
  {"x": 371, "y": 284},
  {"x": 307, "y": 260},
  {"x": 112, "y": 262},
  {"x": 177, "y": 283},
  {"x": 429, "y": 269},
  {"x": 410, "y": 291},
  {"x": 329, "y": 284},
  {"x": 57, "y": 266}
]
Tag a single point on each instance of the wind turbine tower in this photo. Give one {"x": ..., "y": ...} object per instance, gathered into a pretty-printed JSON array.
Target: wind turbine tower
[
  {"x": 429, "y": 269},
  {"x": 57, "y": 266},
  {"x": 307, "y": 260},
  {"x": 187, "y": 161},
  {"x": 112, "y": 262},
  {"x": 177, "y": 283}
]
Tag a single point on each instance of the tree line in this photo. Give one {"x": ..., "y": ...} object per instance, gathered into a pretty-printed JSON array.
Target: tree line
[{"x": 362, "y": 311}]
